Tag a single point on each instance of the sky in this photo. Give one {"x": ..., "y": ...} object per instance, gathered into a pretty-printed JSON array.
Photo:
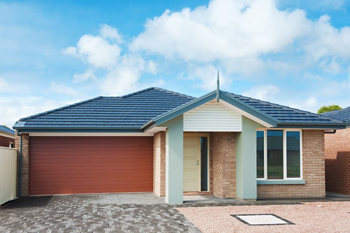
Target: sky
[{"x": 290, "y": 52}]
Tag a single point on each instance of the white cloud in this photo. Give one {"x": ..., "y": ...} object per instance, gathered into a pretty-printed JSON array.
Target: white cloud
[
  {"x": 14, "y": 108},
  {"x": 325, "y": 40},
  {"x": 239, "y": 34},
  {"x": 336, "y": 4},
  {"x": 152, "y": 67},
  {"x": 123, "y": 71},
  {"x": 109, "y": 32},
  {"x": 330, "y": 66},
  {"x": 62, "y": 89},
  {"x": 98, "y": 52},
  {"x": 87, "y": 75},
  {"x": 124, "y": 77},
  {"x": 225, "y": 29},
  {"x": 5, "y": 86},
  {"x": 70, "y": 51},
  {"x": 265, "y": 92},
  {"x": 206, "y": 77}
]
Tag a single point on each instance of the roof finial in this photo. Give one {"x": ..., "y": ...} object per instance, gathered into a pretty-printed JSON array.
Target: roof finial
[{"x": 218, "y": 88}]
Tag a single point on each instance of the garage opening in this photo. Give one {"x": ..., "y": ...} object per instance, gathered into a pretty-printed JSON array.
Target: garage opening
[{"x": 66, "y": 165}]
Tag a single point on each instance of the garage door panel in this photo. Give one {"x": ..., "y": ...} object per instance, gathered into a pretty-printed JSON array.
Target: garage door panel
[{"x": 61, "y": 165}]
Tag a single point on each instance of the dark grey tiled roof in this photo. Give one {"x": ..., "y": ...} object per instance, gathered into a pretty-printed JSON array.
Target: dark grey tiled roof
[
  {"x": 340, "y": 115},
  {"x": 283, "y": 114},
  {"x": 129, "y": 111},
  {"x": 135, "y": 110},
  {"x": 6, "y": 130}
]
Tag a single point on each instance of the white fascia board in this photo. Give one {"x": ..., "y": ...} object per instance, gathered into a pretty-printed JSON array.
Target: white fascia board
[
  {"x": 243, "y": 113},
  {"x": 147, "y": 134},
  {"x": 156, "y": 129}
]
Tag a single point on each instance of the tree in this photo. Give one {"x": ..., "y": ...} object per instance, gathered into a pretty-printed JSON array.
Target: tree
[{"x": 329, "y": 108}]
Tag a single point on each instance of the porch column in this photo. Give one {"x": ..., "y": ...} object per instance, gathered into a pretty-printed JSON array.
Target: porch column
[
  {"x": 174, "y": 161},
  {"x": 246, "y": 183}
]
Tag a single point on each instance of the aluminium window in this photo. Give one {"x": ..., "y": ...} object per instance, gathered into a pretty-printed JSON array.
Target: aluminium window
[{"x": 279, "y": 154}]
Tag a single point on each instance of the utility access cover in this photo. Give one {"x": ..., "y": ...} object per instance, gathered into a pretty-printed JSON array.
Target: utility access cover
[{"x": 261, "y": 219}]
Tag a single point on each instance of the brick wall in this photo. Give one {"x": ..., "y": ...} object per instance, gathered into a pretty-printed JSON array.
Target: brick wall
[
  {"x": 223, "y": 164},
  {"x": 337, "y": 154},
  {"x": 25, "y": 162},
  {"x": 5, "y": 141},
  {"x": 313, "y": 171},
  {"x": 159, "y": 164}
]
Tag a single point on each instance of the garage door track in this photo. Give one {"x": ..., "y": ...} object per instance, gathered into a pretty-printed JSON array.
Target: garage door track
[{"x": 93, "y": 213}]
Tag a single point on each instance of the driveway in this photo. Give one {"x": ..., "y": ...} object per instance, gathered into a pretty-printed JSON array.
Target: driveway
[{"x": 93, "y": 213}]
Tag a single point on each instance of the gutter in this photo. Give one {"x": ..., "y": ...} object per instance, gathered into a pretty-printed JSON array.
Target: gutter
[{"x": 330, "y": 132}]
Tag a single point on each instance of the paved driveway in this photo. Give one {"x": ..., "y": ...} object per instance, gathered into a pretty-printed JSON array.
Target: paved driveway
[{"x": 93, "y": 213}]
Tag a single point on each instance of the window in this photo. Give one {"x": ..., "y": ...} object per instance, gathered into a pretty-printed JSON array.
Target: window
[
  {"x": 293, "y": 154},
  {"x": 12, "y": 145},
  {"x": 274, "y": 154},
  {"x": 279, "y": 155},
  {"x": 260, "y": 154}
]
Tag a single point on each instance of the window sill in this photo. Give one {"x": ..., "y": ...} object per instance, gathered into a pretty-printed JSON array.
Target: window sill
[{"x": 281, "y": 181}]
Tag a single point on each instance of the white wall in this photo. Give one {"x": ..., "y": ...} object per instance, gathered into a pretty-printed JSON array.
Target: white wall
[
  {"x": 212, "y": 117},
  {"x": 8, "y": 174}
]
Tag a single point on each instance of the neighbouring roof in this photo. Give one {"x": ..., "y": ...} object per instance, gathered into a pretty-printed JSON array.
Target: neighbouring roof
[
  {"x": 146, "y": 107},
  {"x": 340, "y": 115},
  {"x": 6, "y": 130}
]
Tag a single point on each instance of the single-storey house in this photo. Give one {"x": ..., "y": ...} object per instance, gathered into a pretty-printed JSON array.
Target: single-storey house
[
  {"x": 7, "y": 137},
  {"x": 160, "y": 141},
  {"x": 337, "y": 152}
]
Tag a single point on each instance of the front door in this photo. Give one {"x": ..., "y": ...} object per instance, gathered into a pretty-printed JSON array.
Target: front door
[{"x": 192, "y": 166}]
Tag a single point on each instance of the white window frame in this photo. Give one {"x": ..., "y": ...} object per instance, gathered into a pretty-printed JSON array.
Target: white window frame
[{"x": 284, "y": 154}]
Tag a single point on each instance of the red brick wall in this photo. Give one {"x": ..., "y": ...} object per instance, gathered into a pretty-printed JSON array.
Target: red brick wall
[
  {"x": 5, "y": 141},
  {"x": 313, "y": 171},
  {"x": 337, "y": 153}
]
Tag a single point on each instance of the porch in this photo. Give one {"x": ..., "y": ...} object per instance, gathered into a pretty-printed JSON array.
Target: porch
[{"x": 221, "y": 164}]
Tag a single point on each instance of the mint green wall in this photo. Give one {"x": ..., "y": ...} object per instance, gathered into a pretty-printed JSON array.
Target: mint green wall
[
  {"x": 246, "y": 184},
  {"x": 174, "y": 161}
]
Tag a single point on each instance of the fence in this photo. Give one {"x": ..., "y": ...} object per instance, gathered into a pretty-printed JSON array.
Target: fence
[{"x": 8, "y": 174}]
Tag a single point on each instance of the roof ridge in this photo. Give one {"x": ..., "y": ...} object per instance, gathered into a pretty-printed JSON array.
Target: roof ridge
[
  {"x": 136, "y": 92},
  {"x": 160, "y": 89},
  {"x": 287, "y": 107},
  {"x": 56, "y": 109},
  {"x": 175, "y": 93}
]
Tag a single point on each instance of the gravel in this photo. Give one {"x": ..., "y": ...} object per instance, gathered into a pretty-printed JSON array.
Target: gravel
[{"x": 307, "y": 217}]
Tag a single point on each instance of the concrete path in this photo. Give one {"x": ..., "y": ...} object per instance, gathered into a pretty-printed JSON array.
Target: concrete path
[{"x": 93, "y": 213}]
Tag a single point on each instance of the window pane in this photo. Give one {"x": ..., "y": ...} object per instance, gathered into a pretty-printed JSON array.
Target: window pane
[
  {"x": 260, "y": 153},
  {"x": 275, "y": 154},
  {"x": 293, "y": 154}
]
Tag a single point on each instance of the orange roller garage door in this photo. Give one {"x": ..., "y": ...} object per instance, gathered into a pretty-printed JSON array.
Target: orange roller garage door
[{"x": 63, "y": 165}]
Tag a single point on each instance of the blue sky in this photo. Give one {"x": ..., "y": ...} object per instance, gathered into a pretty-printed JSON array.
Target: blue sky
[{"x": 54, "y": 53}]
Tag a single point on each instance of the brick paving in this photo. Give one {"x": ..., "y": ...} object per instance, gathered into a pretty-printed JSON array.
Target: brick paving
[{"x": 82, "y": 213}]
